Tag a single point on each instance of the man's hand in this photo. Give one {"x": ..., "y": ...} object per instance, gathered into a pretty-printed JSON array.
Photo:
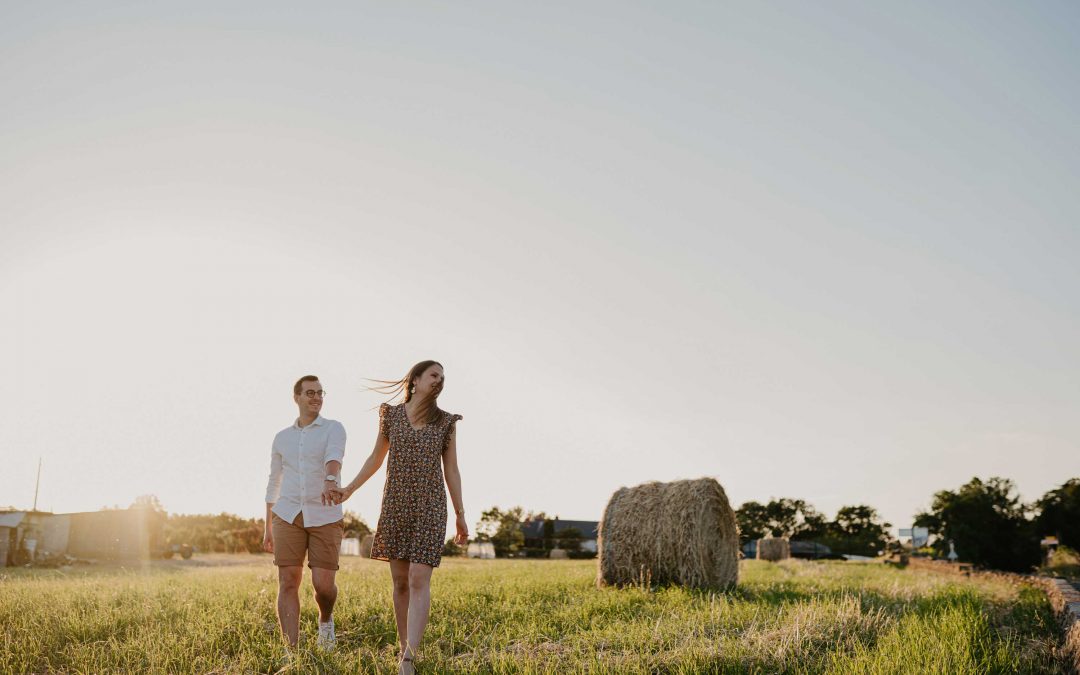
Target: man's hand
[
  {"x": 340, "y": 494},
  {"x": 328, "y": 497},
  {"x": 268, "y": 541}
]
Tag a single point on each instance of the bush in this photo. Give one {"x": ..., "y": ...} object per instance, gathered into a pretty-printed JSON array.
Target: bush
[{"x": 451, "y": 549}]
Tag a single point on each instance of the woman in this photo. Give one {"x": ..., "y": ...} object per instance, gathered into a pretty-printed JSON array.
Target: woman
[{"x": 419, "y": 438}]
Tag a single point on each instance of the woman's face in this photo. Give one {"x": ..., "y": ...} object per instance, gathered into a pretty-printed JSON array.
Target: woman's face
[{"x": 430, "y": 382}]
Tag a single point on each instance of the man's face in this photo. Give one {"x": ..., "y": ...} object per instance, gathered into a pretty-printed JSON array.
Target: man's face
[{"x": 310, "y": 398}]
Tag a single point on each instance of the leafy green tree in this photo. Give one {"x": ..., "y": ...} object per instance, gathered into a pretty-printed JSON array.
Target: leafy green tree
[
  {"x": 1059, "y": 514},
  {"x": 221, "y": 533},
  {"x": 147, "y": 502},
  {"x": 502, "y": 529},
  {"x": 792, "y": 518},
  {"x": 549, "y": 534},
  {"x": 857, "y": 530},
  {"x": 355, "y": 526},
  {"x": 753, "y": 520},
  {"x": 987, "y": 522}
]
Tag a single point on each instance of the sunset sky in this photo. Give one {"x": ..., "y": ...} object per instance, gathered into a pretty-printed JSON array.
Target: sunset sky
[{"x": 825, "y": 251}]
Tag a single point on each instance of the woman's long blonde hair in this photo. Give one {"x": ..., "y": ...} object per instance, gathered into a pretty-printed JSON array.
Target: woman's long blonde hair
[{"x": 429, "y": 410}]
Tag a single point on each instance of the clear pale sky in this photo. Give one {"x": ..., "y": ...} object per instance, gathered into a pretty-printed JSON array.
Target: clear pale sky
[{"x": 825, "y": 251}]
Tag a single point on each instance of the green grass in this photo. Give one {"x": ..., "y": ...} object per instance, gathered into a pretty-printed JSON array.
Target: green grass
[
  {"x": 1064, "y": 562},
  {"x": 528, "y": 616}
]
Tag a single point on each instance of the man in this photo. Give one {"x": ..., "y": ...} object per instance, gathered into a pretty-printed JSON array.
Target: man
[{"x": 301, "y": 518}]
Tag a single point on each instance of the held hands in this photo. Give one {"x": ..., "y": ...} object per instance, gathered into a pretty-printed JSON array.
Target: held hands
[{"x": 333, "y": 494}]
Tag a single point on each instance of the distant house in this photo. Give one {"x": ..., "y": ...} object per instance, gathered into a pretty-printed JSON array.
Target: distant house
[
  {"x": 26, "y": 536},
  {"x": 533, "y": 530}
]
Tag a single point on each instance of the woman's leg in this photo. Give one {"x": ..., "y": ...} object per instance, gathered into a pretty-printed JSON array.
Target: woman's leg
[
  {"x": 399, "y": 571},
  {"x": 419, "y": 603}
]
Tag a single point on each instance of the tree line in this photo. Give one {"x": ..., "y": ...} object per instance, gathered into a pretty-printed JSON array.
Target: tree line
[
  {"x": 991, "y": 527},
  {"x": 228, "y": 533},
  {"x": 984, "y": 519},
  {"x": 856, "y": 530}
]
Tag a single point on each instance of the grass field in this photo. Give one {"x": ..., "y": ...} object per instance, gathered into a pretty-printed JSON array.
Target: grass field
[{"x": 216, "y": 615}]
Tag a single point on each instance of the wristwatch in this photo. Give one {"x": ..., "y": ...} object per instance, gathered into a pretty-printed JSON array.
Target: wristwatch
[{"x": 332, "y": 477}]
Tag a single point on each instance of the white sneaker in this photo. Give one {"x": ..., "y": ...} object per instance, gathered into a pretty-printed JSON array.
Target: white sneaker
[{"x": 327, "y": 639}]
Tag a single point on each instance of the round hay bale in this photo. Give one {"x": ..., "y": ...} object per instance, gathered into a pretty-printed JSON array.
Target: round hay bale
[
  {"x": 773, "y": 549},
  {"x": 558, "y": 554},
  {"x": 682, "y": 532},
  {"x": 365, "y": 545}
]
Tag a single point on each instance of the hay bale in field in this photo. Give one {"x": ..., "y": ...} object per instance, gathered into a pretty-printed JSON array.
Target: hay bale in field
[
  {"x": 773, "y": 549},
  {"x": 365, "y": 545},
  {"x": 682, "y": 532},
  {"x": 558, "y": 554}
]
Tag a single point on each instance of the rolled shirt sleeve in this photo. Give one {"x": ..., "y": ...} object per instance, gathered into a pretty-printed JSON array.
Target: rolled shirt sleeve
[
  {"x": 335, "y": 443},
  {"x": 273, "y": 483}
]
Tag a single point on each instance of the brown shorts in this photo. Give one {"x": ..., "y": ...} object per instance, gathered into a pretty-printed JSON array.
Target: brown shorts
[{"x": 291, "y": 541}]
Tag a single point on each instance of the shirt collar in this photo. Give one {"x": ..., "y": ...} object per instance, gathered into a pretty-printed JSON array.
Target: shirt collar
[{"x": 318, "y": 422}]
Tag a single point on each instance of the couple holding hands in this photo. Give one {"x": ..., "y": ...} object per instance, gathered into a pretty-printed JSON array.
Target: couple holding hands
[{"x": 304, "y": 496}]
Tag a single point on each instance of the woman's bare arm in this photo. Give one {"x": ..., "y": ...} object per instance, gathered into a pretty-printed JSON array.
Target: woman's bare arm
[
  {"x": 452, "y": 476},
  {"x": 371, "y": 465}
]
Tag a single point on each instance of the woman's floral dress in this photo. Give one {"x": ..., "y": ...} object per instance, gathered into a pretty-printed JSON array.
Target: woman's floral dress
[{"x": 413, "y": 519}]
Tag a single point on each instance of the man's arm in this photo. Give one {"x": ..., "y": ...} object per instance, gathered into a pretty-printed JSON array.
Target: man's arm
[
  {"x": 333, "y": 468},
  {"x": 273, "y": 491},
  {"x": 268, "y": 533},
  {"x": 335, "y": 452}
]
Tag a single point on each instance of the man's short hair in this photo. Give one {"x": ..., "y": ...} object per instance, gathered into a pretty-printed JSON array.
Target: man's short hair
[{"x": 299, "y": 386}]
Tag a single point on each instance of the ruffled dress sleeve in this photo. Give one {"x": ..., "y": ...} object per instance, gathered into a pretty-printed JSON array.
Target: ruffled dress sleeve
[
  {"x": 384, "y": 419},
  {"x": 451, "y": 421}
]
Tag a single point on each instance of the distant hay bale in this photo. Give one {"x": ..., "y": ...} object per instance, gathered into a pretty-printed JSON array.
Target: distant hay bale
[
  {"x": 682, "y": 532},
  {"x": 365, "y": 545},
  {"x": 483, "y": 550},
  {"x": 558, "y": 554},
  {"x": 773, "y": 549}
]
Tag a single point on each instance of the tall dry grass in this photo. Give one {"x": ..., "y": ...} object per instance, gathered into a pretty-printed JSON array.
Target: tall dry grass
[{"x": 531, "y": 616}]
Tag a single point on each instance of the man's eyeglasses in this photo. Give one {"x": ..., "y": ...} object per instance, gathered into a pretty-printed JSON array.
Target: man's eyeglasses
[{"x": 311, "y": 393}]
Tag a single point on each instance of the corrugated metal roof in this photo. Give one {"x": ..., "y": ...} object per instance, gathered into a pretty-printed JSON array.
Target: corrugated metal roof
[
  {"x": 535, "y": 529},
  {"x": 11, "y": 519}
]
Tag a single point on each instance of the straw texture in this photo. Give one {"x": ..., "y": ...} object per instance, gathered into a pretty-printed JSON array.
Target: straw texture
[
  {"x": 773, "y": 549},
  {"x": 682, "y": 533}
]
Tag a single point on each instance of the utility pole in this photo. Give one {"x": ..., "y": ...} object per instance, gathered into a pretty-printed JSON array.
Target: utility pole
[{"x": 37, "y": 483}]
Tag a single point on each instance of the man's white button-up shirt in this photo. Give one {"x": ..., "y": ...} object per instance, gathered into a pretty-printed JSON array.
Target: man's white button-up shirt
[{"x": 298, "y": 460}]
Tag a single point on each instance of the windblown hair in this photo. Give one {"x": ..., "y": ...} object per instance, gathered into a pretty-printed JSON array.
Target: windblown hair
[{"x": 429, "y": 409}]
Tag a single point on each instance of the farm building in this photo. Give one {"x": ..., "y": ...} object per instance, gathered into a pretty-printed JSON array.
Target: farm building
[
  {"x": 28, "y": 536},
  {"x": 536, "y": 531}
]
